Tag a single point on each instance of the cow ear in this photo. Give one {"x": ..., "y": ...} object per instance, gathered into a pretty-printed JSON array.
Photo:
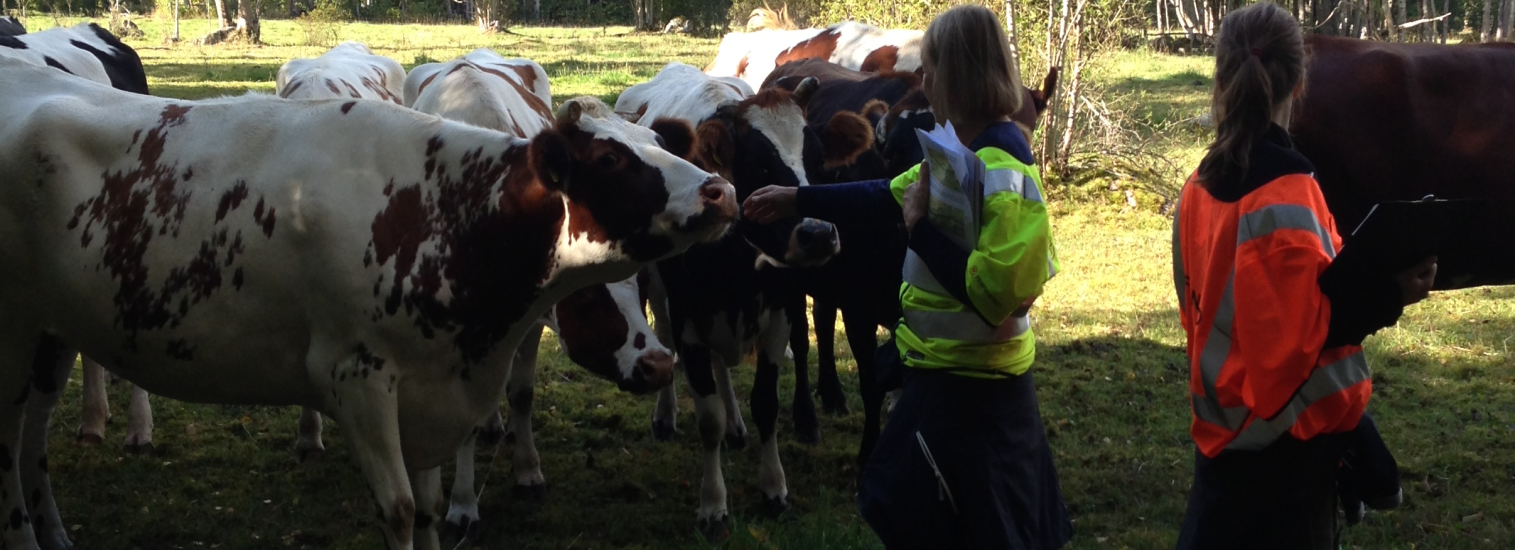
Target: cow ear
[
  {"x": 728, "y": 110},
  {"x": 845, "y": 138},
  {"x": 715, "y": 145},
  {"x": 1042, "y": 97},
  {"x": 552, "y": 162},
  {"x": 569, "y": 113},
  {"x": 804, "y": 91},
  {"x": 788, "y": 83},
  {"x": 630, "y": 117},
  {"x": 676, "y": 136},
  {"x": 874, "y": 110}
]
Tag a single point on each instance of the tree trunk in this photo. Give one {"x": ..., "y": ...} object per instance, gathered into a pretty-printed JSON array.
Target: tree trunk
[
  {"x": 1399, "y": 16},
  {"x": 223, "y": 20},
  {"x": 645, "y": 18},
  {"x": 175, "y": 8},
  {"x": 1486, "y": 31},
  {"x": 248, "y": 20},
  {"x": 485, "y": 15}
]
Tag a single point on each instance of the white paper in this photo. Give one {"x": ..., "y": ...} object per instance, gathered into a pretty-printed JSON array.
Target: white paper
[{"x": 955, "y": 185}]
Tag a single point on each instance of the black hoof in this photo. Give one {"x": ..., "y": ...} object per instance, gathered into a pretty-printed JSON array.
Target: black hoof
[
  {"x": 805, "y": 424},
  {"x": 139, "y": 449},
  {"x": 531, "y": 493},
  {"x": 88, "y": 440},
  {"x": 466, "y": 530},
  {"x": 774, "y": 506},
  {"x": 490, "y": 438},
  {"x": 714, "y": 530},
  {"x": 808, "y": 435},
  {"x": 663, "y": 431},
  {"x": 311, "y": 454},
  {"x": 835, "y": 406}
]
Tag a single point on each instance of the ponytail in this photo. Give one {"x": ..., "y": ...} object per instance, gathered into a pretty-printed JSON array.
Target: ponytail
[{"x": 1259, "y": 59}]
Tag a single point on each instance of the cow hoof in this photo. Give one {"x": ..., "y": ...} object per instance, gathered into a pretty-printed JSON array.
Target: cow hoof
[
  {"x": 140, "y": 449},
  {"x": 488, "y": 437},
  {"x": 808, "y": 435},
  {"x": 465, "y": 529},
  {"x": 805, "y": 423},
  {"x": 663, "y": 431},
  {"x": 305, "y": 454},
  {"x": 835, "y": 408},
  {"x": 89, "y": 440},
  {"x": 534, "y": 493},
  {"x": 774, "y": 506},
  {"x": 715, "y": 530},
  {"x": 735, "y": 442}
]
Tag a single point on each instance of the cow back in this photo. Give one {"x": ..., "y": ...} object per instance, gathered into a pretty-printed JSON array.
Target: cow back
[
  {"x": 1384, "y": 121},
  {"x": 348, "y": 70},
  {"x": 10, "y": 26},
  {"x": 84, "y": 50},
  {"x": 493, "y": 94}
]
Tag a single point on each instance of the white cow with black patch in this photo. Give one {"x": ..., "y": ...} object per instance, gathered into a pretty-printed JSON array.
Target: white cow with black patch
[
  {"x": 374, "y": 263},
  {"x": 84, "y": 50},
  {"x": 728, "y": 297}
]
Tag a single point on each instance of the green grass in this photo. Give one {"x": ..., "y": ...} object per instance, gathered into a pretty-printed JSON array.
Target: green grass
[{"x": 1111, "y": 373}]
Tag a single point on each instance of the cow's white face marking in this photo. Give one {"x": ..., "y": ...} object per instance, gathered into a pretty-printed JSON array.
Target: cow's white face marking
[
  {"x": 783, "y": 125},
  {"x": 625, "y": 294},
  {"x": 684, "y": 199}
]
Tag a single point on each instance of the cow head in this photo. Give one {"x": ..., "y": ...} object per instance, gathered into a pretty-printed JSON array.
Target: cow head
[
  {"x": 764, "y": 140},
  {"x": 895, "y": 136},
  {"x": 603, "y": 329},
  {"x": 623, "y": 192}
]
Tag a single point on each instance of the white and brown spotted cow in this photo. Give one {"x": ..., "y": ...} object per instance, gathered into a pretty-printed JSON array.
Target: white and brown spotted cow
[
  {"x": 727, "y": 297},
  {"x": 350, "y": 69},
  {"x": 377, "y": 264},
  {"x": 753, "y": 55},
  {"x": 601, "y": 327}
]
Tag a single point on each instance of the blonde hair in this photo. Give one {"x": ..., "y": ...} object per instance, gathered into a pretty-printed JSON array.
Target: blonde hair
[{"x": 972, "y": 63}]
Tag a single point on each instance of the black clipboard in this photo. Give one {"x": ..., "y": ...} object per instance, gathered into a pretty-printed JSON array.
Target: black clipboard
[{"x": 1396, "y": 235}]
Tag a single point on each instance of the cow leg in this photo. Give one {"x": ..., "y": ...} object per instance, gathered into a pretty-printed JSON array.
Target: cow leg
[
  {"x": 734, "y": 431},
  {"x": 95, "y": 410},
  {"x": 309, "y": 436},
  {"x": 664, "y": 423},
  {"x": 712, "y": 511},
  {"x": 860, "y": 329},
  {"x": 427, "y": 488},
  {"x": 367, "y": 409},
  {"x": 463, "y": 519},
  {"x": 525, "y": 466},
  {"x": 50, "y": 375},
  {"x": 139, "y": 422},
  {"x": 764, "y": 404},
  {"x": 804, "y": 415},
  {"x": 22, "y": 354},
  {"x": 829, "y": 390}
]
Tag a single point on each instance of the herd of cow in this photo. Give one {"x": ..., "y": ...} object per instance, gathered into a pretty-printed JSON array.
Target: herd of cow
[{"x": 386, "y": 247}]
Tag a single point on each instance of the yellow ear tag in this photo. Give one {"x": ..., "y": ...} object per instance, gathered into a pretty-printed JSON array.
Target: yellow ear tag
[{"x": 554, "y": 176}]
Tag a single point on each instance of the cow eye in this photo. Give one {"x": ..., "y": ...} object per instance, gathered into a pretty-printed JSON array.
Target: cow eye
[{"x": 607, "y": 161}]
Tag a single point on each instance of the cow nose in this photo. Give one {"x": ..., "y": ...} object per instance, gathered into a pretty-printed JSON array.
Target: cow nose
[
  {"x": 817, "y": 240},
  {"x": 653, "y": 370}
]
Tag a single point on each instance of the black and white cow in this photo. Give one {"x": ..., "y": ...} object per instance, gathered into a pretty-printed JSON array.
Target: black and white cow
[
  {"x": 384, "y": 277},
  {"x": 10, "y": 26},
  {"x": 84, "y": 50},
  {"x": 727, "y": 297}
]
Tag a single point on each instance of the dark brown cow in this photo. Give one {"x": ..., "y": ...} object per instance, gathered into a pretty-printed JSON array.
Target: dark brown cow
[{"x": 1385, "y": 121}]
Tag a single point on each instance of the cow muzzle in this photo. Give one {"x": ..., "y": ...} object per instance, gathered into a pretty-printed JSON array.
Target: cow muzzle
[
  {"x": 813, "y": 242},
  {"x": 652, "y": 371},
  {"x": 719, "y": 210}
]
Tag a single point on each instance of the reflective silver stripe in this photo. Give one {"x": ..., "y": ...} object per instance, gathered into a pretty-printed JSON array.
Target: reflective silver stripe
[
  {"x": 1268, "y": 219},
  {"x": 965, "y": 326},
  {"x": 1323, "y": 382},
  {"x": 1179, "y": 277},
  {"x": 1216, "y": 348},
  {"x": 1213, "y": 413},
  {"x": 916, "y": 272},
  {"x": 1002, "y": 181},
  {"x": 1032, "y": 190}
]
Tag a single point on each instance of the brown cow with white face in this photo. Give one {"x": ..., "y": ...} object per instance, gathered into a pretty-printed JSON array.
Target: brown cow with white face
[{"x": 377, "y": 264}]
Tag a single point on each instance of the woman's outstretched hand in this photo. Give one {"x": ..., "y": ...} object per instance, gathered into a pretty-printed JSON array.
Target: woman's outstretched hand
[
  {"x": 1416, "y": 281},
  {"x": 770, "y": 204},
  {"x": 916, "y": 198}
]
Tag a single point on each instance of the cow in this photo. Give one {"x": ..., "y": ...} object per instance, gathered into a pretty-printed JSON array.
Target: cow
[
  {"x": 384, "y": 277},
  {"x": 864, "y": 280},
  {"x": 601, "y": 327},
  {"x": 90, "y": 52},
  {"x": 349, "y": 69},
  {"x": 10, "y": 26},
  {"x": 721, "y": 299},
  {"x": 84, "y": 50},
  {"x": 851, "y": 44},
  {"x": 1389, "y": 121}
]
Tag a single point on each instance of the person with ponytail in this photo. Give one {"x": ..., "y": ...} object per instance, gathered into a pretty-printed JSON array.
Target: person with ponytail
[
  {"x": 1278, "y": 380},
  {"x": 963, "y": 462}
]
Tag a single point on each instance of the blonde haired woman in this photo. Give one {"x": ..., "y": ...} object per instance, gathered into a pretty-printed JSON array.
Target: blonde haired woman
[{"x": 963, "y": 461}]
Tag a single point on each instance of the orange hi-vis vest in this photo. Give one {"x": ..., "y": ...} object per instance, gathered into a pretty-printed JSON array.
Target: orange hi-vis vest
[{"x": 1247, "y": 276}]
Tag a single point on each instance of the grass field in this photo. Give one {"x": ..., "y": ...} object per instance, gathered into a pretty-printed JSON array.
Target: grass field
[{"x": 1111, "y": 373}]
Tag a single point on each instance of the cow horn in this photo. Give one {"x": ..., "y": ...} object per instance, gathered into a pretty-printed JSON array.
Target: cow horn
[
  {"x": 804, "y": 91},
  {"x": 569, "y": 112}
]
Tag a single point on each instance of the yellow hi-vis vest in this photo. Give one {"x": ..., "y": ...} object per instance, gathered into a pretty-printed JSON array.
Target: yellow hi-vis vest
[{"x": 1007, "y": 270}]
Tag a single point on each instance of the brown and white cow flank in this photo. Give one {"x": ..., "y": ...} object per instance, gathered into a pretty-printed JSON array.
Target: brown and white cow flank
[
  {"x": 851, "y": 44},
  {"x": 349, "y": 69},
  {"x": 384, "y": 278}
]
